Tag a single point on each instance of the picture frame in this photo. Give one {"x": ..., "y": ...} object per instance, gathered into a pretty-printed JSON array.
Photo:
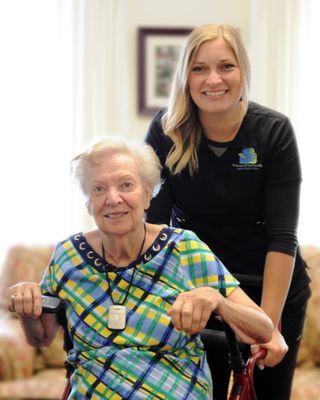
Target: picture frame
[{"x": 158, "y": 53}]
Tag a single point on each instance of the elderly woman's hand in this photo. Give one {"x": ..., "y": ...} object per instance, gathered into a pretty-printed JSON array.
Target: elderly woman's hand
[
  {"x": 25, "y": 299},
  {"x": 191, "y": 310},
  {"x": 276, "y": 349}
]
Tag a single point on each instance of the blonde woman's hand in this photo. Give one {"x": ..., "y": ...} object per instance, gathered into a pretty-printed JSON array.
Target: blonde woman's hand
[
  {"x": 191, "y": 310},
  {"x": 276, "y": 350},
  {"x": 25, "y": 299}
]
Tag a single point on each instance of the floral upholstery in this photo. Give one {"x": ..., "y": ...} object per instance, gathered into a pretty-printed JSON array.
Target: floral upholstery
[
  {"x": 26, "y": 372},
  {"x": 29, "y": 373},
  {"x": 47, "y": 384},
  {"x": 19, "y": 357},
  {"x": 306, "y": 384},
  {"x": 23, "y": 264}
]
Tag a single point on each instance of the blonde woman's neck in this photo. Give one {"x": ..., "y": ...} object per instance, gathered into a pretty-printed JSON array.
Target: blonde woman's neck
[{"x": 222, "y": 127}]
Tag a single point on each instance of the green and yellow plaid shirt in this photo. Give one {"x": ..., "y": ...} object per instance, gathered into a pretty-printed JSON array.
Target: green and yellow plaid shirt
[{"x": 149, "y": 359}]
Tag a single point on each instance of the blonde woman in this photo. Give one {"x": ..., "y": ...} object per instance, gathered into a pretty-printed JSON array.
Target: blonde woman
[{"x": 231, "y": 174}]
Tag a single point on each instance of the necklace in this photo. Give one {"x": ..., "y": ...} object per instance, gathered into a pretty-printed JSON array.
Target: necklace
[{"x": 117, "y": 313}]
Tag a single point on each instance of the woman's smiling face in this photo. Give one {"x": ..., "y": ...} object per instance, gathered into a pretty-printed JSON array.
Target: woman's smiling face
[
  {"x": 215, "y": 82},
  {"x": 117, "y": 197}
]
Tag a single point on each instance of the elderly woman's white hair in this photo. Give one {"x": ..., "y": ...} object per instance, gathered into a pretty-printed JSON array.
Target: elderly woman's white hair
[{"x": 148, "y": 164}]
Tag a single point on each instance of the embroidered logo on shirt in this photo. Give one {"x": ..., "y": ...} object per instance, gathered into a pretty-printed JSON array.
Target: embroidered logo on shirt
[
  {"x": 248, "y": 159},
  {"x": 248, "y": 156}
]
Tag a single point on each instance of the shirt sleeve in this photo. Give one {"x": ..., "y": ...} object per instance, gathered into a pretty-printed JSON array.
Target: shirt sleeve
[
  {"x": 49, "y": 282},
  {"x": 282, "y": 164},
  {"x": 160, "y": 208},
  {"x": 281, "y": 214},
  {"x": 282, "y": 190},
  {"x": 201, "y": 267}
]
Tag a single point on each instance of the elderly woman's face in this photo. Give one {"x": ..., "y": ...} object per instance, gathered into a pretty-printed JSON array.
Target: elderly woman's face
[{"x": 117, "y": 196}]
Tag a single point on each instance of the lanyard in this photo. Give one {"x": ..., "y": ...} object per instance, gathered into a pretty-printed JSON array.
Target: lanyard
[{"x": 106, "y": 265}]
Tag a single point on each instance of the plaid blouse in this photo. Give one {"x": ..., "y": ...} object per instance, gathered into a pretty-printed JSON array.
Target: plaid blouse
[{"x": 149, "y": 359}]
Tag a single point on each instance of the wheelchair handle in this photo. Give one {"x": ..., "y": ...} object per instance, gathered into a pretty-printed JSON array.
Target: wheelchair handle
[{"x": 250, "y": 368}]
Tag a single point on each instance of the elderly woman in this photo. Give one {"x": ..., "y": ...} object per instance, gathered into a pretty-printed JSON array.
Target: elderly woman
[{"x": 137, "y": 295}]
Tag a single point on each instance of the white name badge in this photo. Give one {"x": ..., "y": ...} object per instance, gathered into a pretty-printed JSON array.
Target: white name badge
[{"x": 117, "y": 316}]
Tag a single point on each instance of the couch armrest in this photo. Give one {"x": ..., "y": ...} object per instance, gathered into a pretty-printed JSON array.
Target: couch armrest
[{"x": 17, "y": 358}]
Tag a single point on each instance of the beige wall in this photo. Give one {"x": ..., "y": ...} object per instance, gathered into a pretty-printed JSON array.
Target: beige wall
[{"x": 174, "y": 13}]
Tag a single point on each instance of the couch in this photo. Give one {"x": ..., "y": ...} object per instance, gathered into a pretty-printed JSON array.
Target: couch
[
  {"x": 26, "y": 372},
  {"x": 29, "y": 373},
  {"x": 306, "y": 384}
]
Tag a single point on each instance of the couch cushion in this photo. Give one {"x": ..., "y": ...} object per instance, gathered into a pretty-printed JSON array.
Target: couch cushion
[
  {"x": 306, "y": 384},
  {"x": 16, "y": 356},
  {"x": 310, "y": 350},
  {"x": 27, "y": 263},
  {"x": 23, "y": 263},
  {"x": 54, "y": 355},
  {"x": 48, "y": 384}
]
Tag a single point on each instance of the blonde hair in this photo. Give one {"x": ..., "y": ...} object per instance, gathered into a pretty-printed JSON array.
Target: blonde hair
[
  {"x": 148, "y": 164},
  {"x": 181, "y": 122}
]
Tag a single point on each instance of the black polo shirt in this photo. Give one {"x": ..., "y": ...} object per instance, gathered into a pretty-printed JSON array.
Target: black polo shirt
[{"x": 242, "y": 202}]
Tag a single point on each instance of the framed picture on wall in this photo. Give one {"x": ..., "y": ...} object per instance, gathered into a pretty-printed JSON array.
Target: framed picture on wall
[{"x": 158, "y": 53}]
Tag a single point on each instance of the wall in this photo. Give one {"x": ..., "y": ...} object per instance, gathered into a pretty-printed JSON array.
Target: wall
[
  {"x": 103, "y": 48},
  {"x": 58, "y": 96},
  {"x": 174, "y": 13}
]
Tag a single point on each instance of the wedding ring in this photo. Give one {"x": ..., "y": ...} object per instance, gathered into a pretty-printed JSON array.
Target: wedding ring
[
  {"x": 16, "y": 294},
  {"x": 12, "y": 306}
]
